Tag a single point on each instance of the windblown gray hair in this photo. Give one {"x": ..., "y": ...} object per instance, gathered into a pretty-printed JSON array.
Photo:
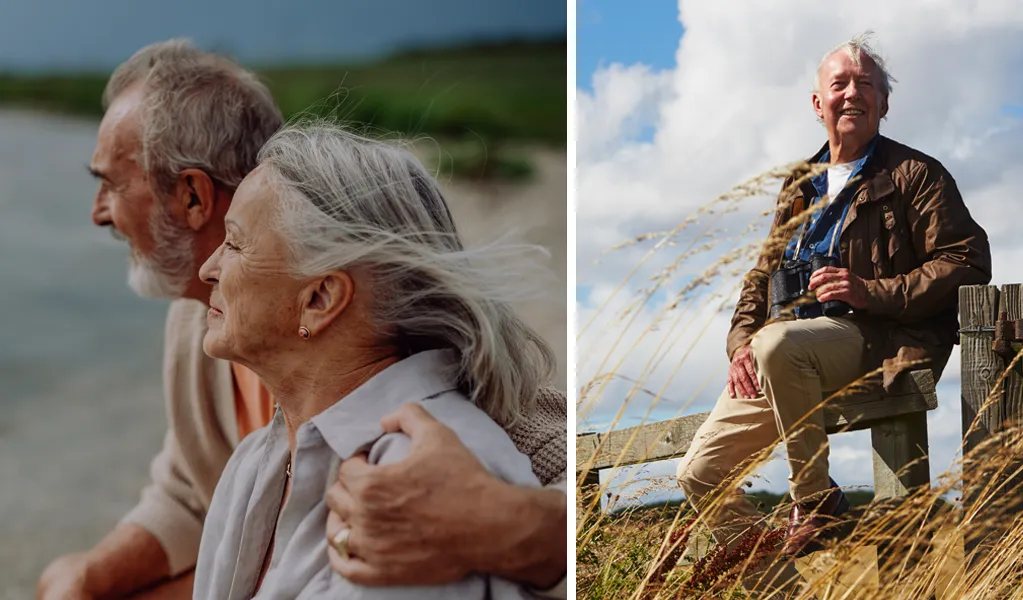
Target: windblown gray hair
[
  {"x": 347, "y": 200},
  {"x": 856, "y": 48},
  {"x": 200, "y": 110}
]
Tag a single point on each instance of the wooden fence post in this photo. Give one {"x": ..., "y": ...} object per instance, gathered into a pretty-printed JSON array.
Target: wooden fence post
[
  {"x": 1010, "y": 306},
  {"x": 979, "y": 309},
  {"x": 979, "y": 365},
  {"x": 900, "y": 455},
  {"x": 585, "y": 495}
]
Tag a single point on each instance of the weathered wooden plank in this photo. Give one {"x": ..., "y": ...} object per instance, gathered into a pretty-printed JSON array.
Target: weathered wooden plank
[
  {"x": 980, "y": 366},
  {"x": 670, "y": 439},
  {"x": 1010, "y": 302},
  {"x": 900, "y": 455}
]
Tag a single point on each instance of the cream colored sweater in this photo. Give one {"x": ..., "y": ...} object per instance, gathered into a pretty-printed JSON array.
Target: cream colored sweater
[{"x": 203, "y": 432}]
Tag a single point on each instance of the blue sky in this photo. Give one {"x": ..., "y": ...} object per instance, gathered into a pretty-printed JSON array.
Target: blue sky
[{"x": 610, "y": 31}]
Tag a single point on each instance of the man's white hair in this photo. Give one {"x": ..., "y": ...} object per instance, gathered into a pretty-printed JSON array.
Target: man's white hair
[
  {"x": 199, "y": 111},
  {"x": 345, "y": 200},
  {"x": 858, "y": 47}
]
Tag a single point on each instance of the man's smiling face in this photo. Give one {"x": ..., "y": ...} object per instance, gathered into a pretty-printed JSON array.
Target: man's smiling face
[{"x": 849, "y": 98}]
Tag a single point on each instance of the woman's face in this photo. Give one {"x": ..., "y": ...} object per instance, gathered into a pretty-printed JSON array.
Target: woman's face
[{"x": 255, "y": 304}]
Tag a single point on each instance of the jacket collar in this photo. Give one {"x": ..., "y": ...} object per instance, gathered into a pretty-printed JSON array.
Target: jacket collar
[{"x": 874, "y": 181}]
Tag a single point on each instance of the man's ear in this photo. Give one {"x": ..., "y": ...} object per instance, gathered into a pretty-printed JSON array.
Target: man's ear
[
  {"x": 817, "y": 108},
  {"x": 325, "y": 298},
  {"x": 195, "y": 195},
  {"x": 884, "y": 107}
]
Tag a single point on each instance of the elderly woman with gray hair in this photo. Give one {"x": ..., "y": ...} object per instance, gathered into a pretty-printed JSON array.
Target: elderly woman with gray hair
[{"x": 343, "y": 284}]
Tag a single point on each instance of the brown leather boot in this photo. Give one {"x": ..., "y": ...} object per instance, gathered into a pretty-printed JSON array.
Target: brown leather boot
[{"x": 809, "y": 521}]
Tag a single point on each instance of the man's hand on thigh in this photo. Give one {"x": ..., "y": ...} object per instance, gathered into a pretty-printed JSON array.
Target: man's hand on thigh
[{"x": 742, "y": 379}]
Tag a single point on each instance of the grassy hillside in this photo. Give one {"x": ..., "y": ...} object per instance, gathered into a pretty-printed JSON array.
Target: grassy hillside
[{"x": 475, "y": 99}]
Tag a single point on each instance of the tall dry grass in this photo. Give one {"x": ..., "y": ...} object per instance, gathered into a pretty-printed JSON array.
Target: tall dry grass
[{"x": 917, "y": 547}]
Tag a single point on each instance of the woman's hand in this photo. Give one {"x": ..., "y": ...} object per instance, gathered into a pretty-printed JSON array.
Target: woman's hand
[{"x": 438, "y": 515}]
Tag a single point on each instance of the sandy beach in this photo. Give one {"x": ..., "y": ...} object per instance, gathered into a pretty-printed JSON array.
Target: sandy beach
[{"x": 80, "y": 354}]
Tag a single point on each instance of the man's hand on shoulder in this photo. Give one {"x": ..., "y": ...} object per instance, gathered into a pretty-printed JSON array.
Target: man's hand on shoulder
[
  {"x": 438, "y": 515},
  {"x": 834, "y": 283}
]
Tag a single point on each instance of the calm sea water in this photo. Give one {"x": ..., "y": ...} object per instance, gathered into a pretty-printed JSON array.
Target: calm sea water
[{"x": 80, "y": 406}]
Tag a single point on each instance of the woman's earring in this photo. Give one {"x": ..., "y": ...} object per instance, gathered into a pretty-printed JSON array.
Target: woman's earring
[{"x": 303, "y": 332}]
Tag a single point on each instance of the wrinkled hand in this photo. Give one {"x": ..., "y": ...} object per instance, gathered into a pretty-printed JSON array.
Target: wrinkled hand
[
  {"x": 64, "y": 579},
  {"x": 414, "y": 522},
  {"x": 742, "y": 379},
  {"x": 834, "y": 283}
]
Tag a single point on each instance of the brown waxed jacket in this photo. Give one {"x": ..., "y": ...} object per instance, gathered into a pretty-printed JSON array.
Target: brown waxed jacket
[{"x": 909, "y": 234}]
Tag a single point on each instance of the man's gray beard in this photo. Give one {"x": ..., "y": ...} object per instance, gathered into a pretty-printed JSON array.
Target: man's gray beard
[{"x": 168, "y": 271}]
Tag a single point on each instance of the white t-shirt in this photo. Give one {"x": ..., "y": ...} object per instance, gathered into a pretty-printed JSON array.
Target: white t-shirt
[{"x": 838, "y": 175}]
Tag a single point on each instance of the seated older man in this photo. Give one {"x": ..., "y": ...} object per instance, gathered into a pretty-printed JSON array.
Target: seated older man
[
  {"x": 182, "y": 128},
  {"x": 885, "y": 245}
]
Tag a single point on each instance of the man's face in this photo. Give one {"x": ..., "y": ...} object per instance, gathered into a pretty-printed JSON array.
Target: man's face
[
  {"x": 162, "y": 257},
  {"x": 849, "y": 98}
]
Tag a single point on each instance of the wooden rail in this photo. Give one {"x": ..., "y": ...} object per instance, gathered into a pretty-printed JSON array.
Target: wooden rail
[{"x": 897, "y": 422}]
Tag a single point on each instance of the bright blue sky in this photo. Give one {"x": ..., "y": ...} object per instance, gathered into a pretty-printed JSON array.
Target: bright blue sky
[{"x": 610, "y": 31}]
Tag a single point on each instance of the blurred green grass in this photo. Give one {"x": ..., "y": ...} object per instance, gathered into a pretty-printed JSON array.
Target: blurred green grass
[{"x": 486, "y": 99}]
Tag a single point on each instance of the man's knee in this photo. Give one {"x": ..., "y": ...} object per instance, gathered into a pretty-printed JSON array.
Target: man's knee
[{"x": 774, "y": 345}]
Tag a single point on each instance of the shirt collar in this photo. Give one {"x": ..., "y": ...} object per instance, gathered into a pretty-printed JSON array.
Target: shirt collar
[
  {"x": 354, "y": 422},
  {"x": 820, "y": 181}
]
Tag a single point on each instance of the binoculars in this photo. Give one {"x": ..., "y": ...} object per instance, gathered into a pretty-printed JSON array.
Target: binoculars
[{"x": 791, "y": 281}]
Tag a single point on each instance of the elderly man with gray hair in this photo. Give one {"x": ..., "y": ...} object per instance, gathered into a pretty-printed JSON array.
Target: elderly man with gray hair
[
  {"x": 869, "y": 280},
  {"x": 182, "y": 128}
]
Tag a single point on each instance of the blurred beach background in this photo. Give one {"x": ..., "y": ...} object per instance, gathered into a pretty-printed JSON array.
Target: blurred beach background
[{"x": 483, "y": 83}]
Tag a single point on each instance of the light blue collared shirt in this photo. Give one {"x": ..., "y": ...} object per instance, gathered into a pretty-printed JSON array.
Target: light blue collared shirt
[{"x": 247, "y": 503}]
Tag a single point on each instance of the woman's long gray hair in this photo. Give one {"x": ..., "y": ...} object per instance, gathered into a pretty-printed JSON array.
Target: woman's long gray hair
[{"x": 347, "y": 200}]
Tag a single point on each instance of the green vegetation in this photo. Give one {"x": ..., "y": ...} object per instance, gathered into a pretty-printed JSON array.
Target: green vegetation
[{"x": 476, "y": 101}]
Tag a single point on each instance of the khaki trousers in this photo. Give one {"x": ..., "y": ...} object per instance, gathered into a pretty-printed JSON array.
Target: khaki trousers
[{"x": 795, "y": 363}]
